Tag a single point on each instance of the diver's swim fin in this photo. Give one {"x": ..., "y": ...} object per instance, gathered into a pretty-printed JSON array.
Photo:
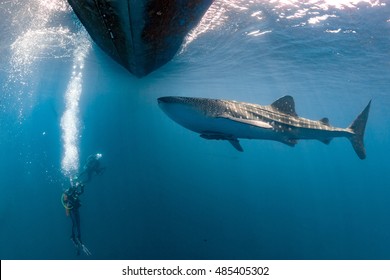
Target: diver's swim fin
[
  {"x": 85, "y": 250},
  {"x": 77, "y": 243}
]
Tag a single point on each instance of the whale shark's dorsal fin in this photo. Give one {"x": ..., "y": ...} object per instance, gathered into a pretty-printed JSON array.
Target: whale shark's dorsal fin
[
  {"x": 324, "y": 121},
  {"x": 285, "y": 105}
]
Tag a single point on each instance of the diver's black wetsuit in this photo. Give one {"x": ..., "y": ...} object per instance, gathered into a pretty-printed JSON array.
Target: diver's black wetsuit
[
  {"x": 73, "y": 204},
  {"x": 92, "y": 166}
]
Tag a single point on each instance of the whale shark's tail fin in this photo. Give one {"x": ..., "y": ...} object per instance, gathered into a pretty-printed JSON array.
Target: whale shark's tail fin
[{"x": 358, "y": 127}]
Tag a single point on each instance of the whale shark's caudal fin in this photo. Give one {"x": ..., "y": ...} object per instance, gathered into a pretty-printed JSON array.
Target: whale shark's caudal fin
[{"x": 358, "y": 127}]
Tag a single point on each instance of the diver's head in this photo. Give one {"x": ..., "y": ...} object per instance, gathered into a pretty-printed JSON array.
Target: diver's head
[{"x": 98, "y": 156}]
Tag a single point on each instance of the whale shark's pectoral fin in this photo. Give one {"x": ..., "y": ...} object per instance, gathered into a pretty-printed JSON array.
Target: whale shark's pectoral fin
[
  {"x": 236, "y": 144},
  {"x": 220, "y": 136},
  {"x": 256, "y": 123},
  {"x": 325, "y": 141}
]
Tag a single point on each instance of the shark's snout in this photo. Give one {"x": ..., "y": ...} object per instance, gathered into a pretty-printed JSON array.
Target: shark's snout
[
  {"x": 163, "y": 100},
  {"x": 183, "y": 110},
  {"x": 170, "y": 100},
  {"x": 168, "y": 104},
  {"x": 171, "y": 105}
]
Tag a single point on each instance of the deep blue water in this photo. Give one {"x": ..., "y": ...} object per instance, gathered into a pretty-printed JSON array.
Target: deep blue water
[{"x": 169, "y": 194}]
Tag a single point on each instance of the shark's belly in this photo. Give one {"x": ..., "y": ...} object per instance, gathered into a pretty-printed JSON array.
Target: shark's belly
[
  {"x": 317, "y": 133},
  {"x": 230, "y": 128},
  {"x": 206, "y": 124},
  {"x": 279, "y": 132}
]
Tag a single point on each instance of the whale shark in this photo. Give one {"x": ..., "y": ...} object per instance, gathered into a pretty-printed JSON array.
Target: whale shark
[{"x": 217, "y": 119}]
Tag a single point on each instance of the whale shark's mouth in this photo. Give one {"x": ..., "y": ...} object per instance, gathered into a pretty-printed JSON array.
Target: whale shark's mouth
[
  {"x": 167, "y": 99},
  {"x": 175, "y": 100},
  {"x": 172, "y": 104}
]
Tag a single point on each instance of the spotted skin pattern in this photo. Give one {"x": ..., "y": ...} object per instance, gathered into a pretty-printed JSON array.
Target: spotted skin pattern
[{"x": 230, "y": 120}]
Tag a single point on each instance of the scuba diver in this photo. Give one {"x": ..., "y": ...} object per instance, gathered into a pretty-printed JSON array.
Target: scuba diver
[
  {"x": 71, "y": 202},
  {"x": 71, "y": 198},
  {"x": 91, "y": 166}
]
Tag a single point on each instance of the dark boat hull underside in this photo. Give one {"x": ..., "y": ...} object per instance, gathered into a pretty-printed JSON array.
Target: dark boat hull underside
[{"x": 140, "y": 35}]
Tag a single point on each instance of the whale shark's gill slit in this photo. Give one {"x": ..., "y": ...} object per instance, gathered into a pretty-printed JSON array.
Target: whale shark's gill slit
[{"x": 70, "y": 122}]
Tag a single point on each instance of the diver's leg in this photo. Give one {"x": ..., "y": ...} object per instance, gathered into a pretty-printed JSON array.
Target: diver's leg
[
  {"x": 89, "y": 176},
  {"x": 75, "y": 231},
  {"x": 100, "y": 170},
  {"x": 72, "y": 217},
  {"x": 77, "y": 219}
]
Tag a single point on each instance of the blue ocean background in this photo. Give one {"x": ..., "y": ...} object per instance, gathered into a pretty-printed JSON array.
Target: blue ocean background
[{"x": 167, "y": 193}]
